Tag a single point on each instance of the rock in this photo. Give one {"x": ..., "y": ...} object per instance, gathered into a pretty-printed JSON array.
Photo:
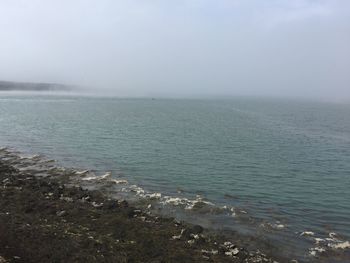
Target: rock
[
  {"x": 67, "y": 199},
  {"x": 111, "y": 204},
  {"x": 97, "y": 205},
  {"x": 191, "y": 241},
  {"x": 123, "y": 204},
  {"x": 232, "y": 252},
  {"x": 197, "y": 229},
  {"x": 179, "y": 236},
  {"x": 129, "y": 211},
  {"x": 61, "y": 213},
  {"x": 210, "y": 252},
  {"x": 228, "y": 244}
]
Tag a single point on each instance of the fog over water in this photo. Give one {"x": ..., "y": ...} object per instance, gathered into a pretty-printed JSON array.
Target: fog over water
[{"x": 297, "y": 48}]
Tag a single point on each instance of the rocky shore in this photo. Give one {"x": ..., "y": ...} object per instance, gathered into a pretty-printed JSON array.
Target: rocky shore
[{"x": 46, "y": 218}]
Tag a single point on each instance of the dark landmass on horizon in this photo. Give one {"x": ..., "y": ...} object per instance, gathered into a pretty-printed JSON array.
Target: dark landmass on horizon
[{"x": 30, "y": 86}]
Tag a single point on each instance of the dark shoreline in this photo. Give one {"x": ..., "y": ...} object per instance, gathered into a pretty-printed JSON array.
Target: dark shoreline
[
  {"x": 43, "y": 218},
  {"x": 29, "y": 86},
  {"x": 47, "y": 215}
]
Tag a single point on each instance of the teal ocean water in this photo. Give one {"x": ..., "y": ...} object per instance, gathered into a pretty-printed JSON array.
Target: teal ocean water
[{"x": 276, "y": 168}]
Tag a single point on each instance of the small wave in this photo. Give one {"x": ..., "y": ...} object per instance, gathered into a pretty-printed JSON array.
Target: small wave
[
  {"x": 273, "y": 226},
  {"x": 307, "y": 233},
  {"x": 332, "y": 242},
  {"x": 341, "y": 245}
]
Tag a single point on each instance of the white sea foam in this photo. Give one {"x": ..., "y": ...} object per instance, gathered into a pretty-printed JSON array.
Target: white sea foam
[
  {"x": 154, "y": 195},
  {"x": 81, "y": 173},
  {"x": 90, "y": 178},
  {"x": 315, "y": 250},
  {"x": 232, "y": 252},
  {"x": 118, "y": 181},
  {"x": 341, "y": 245},
  {"x": 272, "y": 226},
  {"x": 136, "y": 189},
  {"x": 319, "y": 240},
  {"x": 279, "y": 226},
  {"x": 307, "y": 233},
  {"x": 105, "y": 176},
  {"x": 331, "y": 242}
]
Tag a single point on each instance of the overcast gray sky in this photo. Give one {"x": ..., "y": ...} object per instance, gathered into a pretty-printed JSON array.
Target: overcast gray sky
[{"x": 180, "y": 47}]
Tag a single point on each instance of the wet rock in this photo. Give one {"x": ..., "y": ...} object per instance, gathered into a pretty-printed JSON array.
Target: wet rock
[
  {"x": 97, "y": 205},
  {"x": 194, "y": 230},
  {"x": 61, "y": 213},
  {"x": 123, "y": 204},
  {"x": 197, "y": 229},
  {"x": 210, "y": 252},
  {"x": 110, "y": 205},
  {"x": 199, "y": 205},
  {"x": 66, "y": 199},
  {"x": 191, "y": 241},
  {"x": 179, "y": 236}
]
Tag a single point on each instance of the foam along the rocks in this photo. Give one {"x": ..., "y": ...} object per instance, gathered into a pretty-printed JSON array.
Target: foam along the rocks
[
  {"x": 319, "y": 240},
  {"x": 307, "y": 233},
  {"x": 118, "y": 181},
  {"x": 272, "y": 226},
  {"x": 153, "y": 195},
  {"x": 97, "y": 178},
  {"x": 331, "y": 242},
  {"x": 105, "y": 176},
  {"x": 185, "y": 203},
  {"x": 87, "y": 176},
  {"x": 315, "y": 250},
  {"x": 341, "y": 245},
  {"x": 279, "y": 226},
  {"x": 35, "y": 157},
  {"x": 81, "y": 173},
  {"x": 232, "y": 252},
  {"x": 188, "y": 204}
]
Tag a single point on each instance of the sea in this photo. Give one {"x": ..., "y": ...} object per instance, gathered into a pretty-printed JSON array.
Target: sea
[{"x": 276, "y": 170}]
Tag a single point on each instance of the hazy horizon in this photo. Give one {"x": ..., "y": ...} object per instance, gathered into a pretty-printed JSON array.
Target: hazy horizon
[{"x": 297, "y": 49}]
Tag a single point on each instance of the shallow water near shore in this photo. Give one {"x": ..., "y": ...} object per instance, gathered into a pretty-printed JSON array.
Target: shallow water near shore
[{"x": 275, "y": 169}]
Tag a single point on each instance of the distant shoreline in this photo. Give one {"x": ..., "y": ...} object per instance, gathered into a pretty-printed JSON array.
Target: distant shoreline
[{"x": 28, "y": 86}]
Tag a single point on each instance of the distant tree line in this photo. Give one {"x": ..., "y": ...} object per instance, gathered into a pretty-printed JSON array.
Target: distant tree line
[{"x": 23, "y": 86}]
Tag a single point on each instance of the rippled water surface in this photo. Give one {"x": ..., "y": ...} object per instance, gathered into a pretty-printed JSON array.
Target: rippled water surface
[{"x": 283, "y": 165}]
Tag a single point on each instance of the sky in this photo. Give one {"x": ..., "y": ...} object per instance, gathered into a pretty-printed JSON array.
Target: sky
[{"x": 293, "y": 48}]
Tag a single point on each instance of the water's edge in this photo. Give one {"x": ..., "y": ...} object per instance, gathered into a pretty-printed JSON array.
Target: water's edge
[{"x": 189, "y": 210}]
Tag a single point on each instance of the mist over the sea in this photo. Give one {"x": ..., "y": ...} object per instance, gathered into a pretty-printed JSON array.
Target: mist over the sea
[{"x": 180, "y": 48}]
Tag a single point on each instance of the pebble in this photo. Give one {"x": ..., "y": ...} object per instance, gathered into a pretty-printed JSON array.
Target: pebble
[
  {"x": 232, "y": 252},
  {"x": 96, "y": 205},
  {"x": 212, "y": 252},
  {"x": 61, "y": 213}
]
